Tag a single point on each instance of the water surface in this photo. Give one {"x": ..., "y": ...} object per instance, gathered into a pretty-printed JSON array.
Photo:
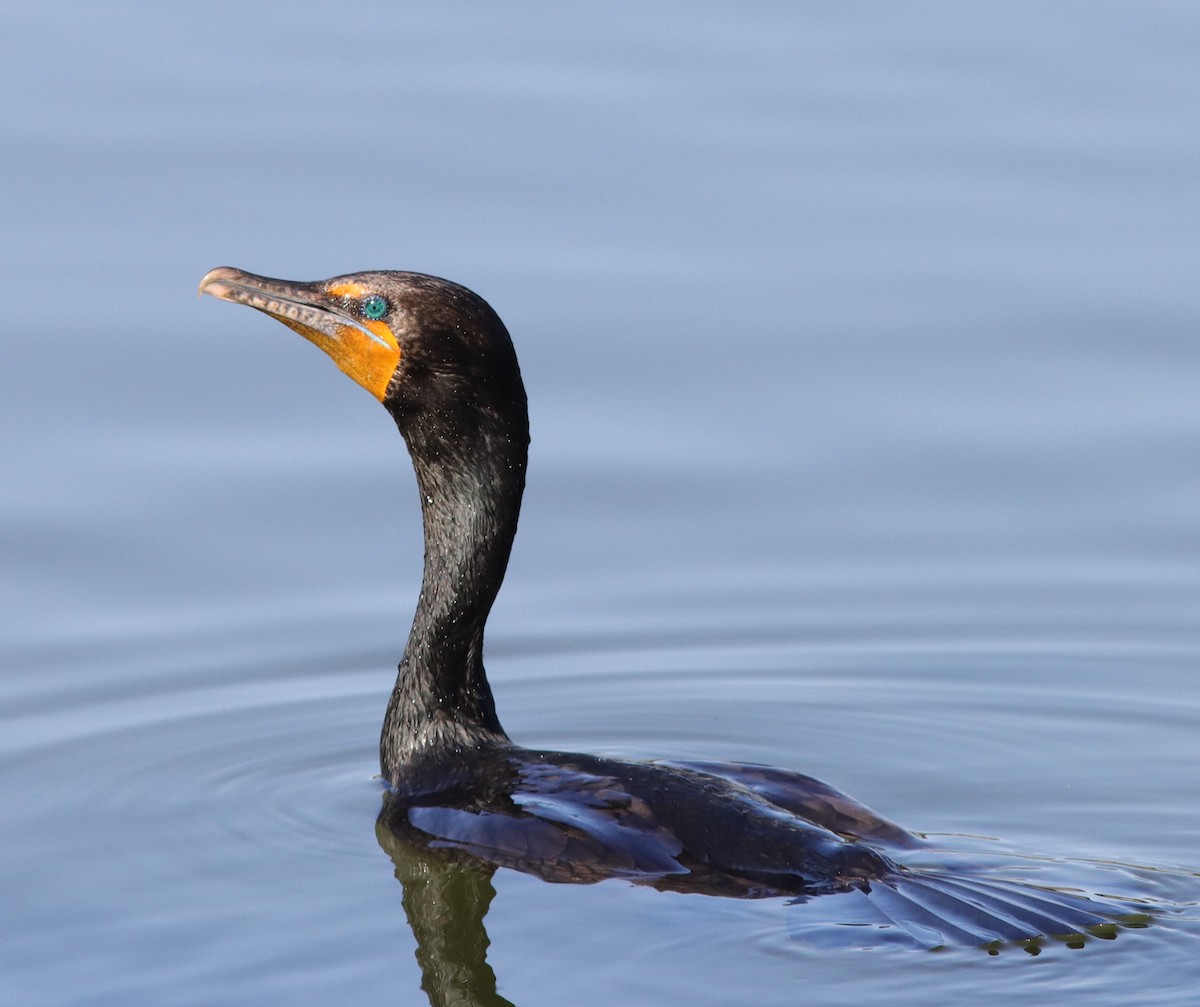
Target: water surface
[{"x": 861, "y": 348}]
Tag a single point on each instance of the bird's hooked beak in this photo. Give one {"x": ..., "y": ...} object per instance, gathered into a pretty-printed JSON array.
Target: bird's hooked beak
[{"x": 327, "y": 313}]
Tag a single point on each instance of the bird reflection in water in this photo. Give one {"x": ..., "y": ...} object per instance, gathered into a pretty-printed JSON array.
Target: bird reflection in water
[{"x": 446, "y": 899}]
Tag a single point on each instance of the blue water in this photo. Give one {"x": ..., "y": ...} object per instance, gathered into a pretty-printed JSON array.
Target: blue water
[{"x": 861, "y": 343}]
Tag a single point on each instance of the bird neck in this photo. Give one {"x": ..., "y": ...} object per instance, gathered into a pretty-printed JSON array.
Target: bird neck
[{"x": 471, "y": 492}]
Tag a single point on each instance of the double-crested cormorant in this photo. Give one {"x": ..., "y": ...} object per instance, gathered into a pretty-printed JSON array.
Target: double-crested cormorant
[{"x": 442, "y": 363}]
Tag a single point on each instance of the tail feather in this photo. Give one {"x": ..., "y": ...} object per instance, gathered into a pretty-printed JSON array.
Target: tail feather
[
  {"x": 985, "y": 918},
  {"x": 931, "y": 909},
  {"x": 932, "y": 922},
  {"x": 1038, "y": 912}
]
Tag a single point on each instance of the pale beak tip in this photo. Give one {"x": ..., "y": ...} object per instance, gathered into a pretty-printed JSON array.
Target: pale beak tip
[{"x": 218, "y": 275}]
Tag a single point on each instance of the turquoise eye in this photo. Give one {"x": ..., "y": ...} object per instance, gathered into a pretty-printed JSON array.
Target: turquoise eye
[{"x": 374, "y": 307}]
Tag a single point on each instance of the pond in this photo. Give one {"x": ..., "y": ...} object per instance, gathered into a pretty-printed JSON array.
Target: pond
[{"x": 861, "y": 347}]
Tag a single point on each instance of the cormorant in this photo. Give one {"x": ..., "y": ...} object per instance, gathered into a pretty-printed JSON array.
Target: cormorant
[{"x": 442, "y": 363}]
